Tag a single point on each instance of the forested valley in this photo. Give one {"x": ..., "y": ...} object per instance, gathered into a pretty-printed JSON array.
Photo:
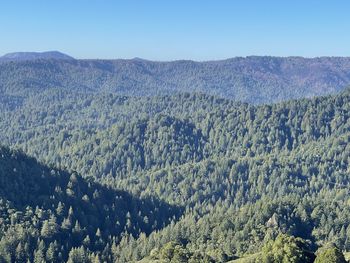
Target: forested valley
[{"x": 180, "y": 177}]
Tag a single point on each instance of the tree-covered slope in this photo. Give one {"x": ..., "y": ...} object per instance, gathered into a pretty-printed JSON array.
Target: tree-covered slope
[
  {"x": 242, "y": 174},
  {"x": 46, "y": 212},
  {"x": 234, "y": 206},
  {"x": 119, "y": 136},
  {"x": 248, "y": 79}
]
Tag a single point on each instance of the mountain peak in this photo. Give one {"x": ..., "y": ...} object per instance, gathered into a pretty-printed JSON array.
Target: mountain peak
[{"x": 21, "y": 56}]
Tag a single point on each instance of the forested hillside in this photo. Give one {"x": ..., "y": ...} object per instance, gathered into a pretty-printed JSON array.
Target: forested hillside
[
  {"x": 248, "y": 79},
  {"x": 187, "y": 177},
  {"x": 46, "y": 213}
]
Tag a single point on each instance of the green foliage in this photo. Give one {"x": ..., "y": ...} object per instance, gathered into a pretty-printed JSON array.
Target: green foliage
[
  {"x": 286, "y": 249},
  {"x": 330, "y": 254}
]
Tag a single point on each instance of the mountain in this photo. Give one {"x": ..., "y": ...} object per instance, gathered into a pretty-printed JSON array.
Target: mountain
[
  {"x": 254, "y": 79},
  {"x": 23, "y": 56}
]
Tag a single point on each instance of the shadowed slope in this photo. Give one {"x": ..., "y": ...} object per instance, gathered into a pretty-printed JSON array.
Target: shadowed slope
[{"x": 67, "y": 208}]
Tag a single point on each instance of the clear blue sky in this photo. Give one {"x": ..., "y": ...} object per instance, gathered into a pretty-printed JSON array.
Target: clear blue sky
[{"x": 176, "y": 29}]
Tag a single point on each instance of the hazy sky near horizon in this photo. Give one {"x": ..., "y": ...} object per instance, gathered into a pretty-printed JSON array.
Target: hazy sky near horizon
[{"x": 178, "y": 29}]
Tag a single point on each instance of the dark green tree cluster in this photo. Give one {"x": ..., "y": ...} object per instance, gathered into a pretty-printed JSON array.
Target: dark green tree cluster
[{"x": 50, "y": 215}]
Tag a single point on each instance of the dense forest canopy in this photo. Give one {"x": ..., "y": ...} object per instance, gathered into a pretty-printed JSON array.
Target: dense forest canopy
[{"x": 90, "y": 174}]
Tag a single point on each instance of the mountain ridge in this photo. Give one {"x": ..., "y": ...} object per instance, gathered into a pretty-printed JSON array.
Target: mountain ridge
[
  {"x": 256, "y": 80},
  {"x": 25, "y": 56}
]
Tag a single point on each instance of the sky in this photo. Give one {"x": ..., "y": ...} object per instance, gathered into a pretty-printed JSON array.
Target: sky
[{"x": 176, "y": 29}]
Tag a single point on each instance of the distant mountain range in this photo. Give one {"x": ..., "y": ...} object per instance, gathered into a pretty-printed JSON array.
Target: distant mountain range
[
  {"x": 21, "y": 56},
  {"x": 249, "y": 79}
]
